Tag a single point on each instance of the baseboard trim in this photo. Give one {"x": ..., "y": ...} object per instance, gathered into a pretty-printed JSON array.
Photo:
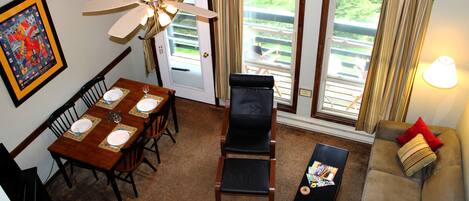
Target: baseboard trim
[{"x": 329, "y": 128}]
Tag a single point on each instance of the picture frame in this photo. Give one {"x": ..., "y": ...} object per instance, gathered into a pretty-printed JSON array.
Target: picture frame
[{"x": 30, "y": 53}]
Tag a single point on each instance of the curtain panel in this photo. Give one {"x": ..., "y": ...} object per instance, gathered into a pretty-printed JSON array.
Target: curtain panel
[
  {"x": 228, "y": 42},
  {"x": 394, "y": 61}
]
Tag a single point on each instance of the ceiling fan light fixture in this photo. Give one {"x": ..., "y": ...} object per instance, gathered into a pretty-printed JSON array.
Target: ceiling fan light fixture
[
  {"x": 170, "y": 9},
  {"x": 163, "y": 18},
  {"x": 150, "y": 12}
]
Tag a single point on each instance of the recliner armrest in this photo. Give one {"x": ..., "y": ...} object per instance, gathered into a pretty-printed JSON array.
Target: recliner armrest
[
  {"x": 273, "y": 133},
  {"x": 272, "y": 179},
  {"x": 225, "y": 126},
  {"x": 218, "y": 177}
]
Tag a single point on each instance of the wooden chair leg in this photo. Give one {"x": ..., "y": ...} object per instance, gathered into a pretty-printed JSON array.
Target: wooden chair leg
[
  {"x": 271, "y": 195},
  {"x": 170, "y": 135},
  {"x": 71, "y": 168},
  {"x": 133, "y": 184},
  {"x": 145, "y": 160},
  {"x": 95, "y": 175},
  {"x": 217, "y": 194},
  {"x": 155, "y": 144}
]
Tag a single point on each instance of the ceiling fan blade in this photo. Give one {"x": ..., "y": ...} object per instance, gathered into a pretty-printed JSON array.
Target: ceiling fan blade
[
  {"x": 103, "y": 5},
  {"x": 127, "y": 23},
  {"x": 193, "y": 9}
]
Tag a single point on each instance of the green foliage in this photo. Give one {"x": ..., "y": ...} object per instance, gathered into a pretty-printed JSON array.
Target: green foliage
[
  {"x": 282, "y": 5},
  {"x": 358, "y": 10}
]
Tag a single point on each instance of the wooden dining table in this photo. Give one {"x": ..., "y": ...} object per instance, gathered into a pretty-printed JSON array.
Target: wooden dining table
[{"x": 88, "y": 152}]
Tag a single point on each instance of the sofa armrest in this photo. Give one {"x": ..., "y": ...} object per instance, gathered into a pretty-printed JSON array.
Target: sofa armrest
[{"x": 390, "y": 130}]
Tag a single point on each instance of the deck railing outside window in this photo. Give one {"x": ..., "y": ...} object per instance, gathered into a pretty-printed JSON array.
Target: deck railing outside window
[{"x": 270, "y": 52}]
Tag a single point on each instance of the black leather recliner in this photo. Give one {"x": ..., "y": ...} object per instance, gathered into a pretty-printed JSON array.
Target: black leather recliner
[
  {"x": 250, "y": 120},
  {"x": 248, "y": 128}
]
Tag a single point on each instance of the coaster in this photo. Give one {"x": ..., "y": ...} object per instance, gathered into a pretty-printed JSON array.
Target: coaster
[
  {"x": 305, "y": 190},
  {"x": 145, "y": 115},
  {"x": 106, "y": 146},
  {"x": 80, "y": 137},
  {"x": 110, "y": 106}
]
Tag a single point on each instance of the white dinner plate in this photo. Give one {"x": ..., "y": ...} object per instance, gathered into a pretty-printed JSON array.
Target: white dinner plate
[
  {"x": 118, "y": 137},
  {"x": 113, "y": 95},
  {"x": 147, "y": 105},
  {"x": 81, "y": 125}
]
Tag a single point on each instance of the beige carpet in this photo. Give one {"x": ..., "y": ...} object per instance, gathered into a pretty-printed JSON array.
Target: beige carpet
[{"x": 188, "y": 168}]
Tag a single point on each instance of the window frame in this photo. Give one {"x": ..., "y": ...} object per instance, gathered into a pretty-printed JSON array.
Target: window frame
[
  {"x": 318, "y": 78},
  {"x": 296, "y": 61}
]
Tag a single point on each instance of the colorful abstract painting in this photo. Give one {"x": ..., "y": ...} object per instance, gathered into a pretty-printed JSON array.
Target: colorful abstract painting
[{"x": 30, "y": 48}]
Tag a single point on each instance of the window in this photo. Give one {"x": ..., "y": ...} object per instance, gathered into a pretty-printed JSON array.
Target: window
[
  {"x": 183, "y": 44},
  {"x": 347, "y": 33},
  {"x": 270, "y": 42}
]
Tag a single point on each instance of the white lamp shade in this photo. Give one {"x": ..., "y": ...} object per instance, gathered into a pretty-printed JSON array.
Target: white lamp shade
[
  {"x": 441, "y": 73},
  {"x": 163, "y": 18}
]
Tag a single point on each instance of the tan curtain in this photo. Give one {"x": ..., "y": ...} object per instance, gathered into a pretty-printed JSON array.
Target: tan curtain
[
  {"x": 228, "y": 43},
  {"x": 394, "y": 61}
]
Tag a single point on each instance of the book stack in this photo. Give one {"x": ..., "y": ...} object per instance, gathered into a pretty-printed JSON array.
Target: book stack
[{"x": 321, "y": 175}]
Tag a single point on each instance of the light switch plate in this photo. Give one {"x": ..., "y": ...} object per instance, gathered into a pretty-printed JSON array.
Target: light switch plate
[{"x": 306, "y": 92}]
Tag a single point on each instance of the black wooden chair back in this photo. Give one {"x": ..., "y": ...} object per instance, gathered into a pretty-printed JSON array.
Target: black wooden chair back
[
  {"x": 132, "y": 155},
  {"x": 157, "y": 121},
  {"x": 93, "y": 90},
  {"x": 62, "y": 119}
]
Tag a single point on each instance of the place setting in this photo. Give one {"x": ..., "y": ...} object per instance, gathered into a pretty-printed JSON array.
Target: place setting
[
  {"x": 119, "y": 135},
  {"x": 112, "y": 98},
  {"x": 146, "y": 104},
  {"x": 82, "y": 127}
]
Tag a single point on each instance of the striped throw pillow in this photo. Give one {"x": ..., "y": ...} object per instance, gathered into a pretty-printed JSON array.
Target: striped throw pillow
[{"x": 415, "y": 155}]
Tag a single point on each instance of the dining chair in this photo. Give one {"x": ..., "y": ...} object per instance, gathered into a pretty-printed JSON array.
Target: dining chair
[
  {"x": 246, "y": 177},
  {"x": 132, "y": 157},
  {"x": 158, "y": 126},
  {"x": 93, "y": 90},
  {"x": 60, "y": 122},
  {"x": 249, "y": 125}
]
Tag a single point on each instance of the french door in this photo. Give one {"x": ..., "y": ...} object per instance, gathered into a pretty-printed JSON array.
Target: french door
[{"x": 185, "y": 58}]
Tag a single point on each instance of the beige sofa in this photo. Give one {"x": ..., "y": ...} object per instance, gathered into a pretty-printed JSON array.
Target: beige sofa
[{"x": 385, "y": 180}]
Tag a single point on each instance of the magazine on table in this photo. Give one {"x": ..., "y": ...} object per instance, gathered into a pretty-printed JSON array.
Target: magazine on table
[{"x": 321, "y": 175}]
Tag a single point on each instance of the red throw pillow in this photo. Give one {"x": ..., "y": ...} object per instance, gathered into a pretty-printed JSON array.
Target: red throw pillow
[{"x": 420, "y": 127}]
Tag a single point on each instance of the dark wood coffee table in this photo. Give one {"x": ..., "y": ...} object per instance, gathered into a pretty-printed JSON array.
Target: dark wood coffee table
[{"x": 330, "y": 156}]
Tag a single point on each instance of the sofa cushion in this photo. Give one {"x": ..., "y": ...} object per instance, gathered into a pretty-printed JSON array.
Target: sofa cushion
[
  {"x": 390, "y": 130},
  {"x": 420, "y": 128},
  {"x": 383, "y": 186},
  {"x": 384, "y": 158},
  {"x": 415, "y": 155},
  {"x": 444, "y": 184}
]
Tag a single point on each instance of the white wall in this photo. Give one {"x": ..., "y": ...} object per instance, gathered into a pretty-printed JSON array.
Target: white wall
[
  {"x": 447, "y": 35},
  {"x": 87, "y": 50},
  {"x": 463, "y": 132}
]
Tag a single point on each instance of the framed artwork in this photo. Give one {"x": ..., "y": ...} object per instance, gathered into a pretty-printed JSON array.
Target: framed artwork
[{"x": 31, "y": 54}]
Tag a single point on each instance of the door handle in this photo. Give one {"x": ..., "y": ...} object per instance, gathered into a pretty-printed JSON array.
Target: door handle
[
  {"x": 205, "y": 55},
  {"x": 180, "y": 69}
]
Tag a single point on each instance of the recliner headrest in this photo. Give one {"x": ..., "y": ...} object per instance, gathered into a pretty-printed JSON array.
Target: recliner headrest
[{"x": 246, "y": 80}]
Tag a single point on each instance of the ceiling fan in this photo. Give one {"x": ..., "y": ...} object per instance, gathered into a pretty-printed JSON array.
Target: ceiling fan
[{"x": 156, "y": 14}]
